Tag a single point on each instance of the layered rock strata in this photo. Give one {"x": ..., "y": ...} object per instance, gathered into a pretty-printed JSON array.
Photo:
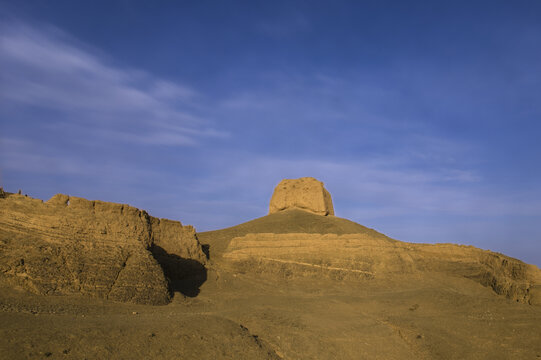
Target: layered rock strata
[
  {"x": 70, "y": 245},
  {"x": 304, "y": 193},
  {"x": 367, "y": 256}
]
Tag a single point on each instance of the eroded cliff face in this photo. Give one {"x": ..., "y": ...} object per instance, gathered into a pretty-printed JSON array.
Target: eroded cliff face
[
  {"x": 367, "y": 256},
  {"x": 70, "y": 245}
]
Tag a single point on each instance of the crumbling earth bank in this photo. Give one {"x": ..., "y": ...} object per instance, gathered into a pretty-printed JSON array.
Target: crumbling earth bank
[{"x": 70, "y": 245}]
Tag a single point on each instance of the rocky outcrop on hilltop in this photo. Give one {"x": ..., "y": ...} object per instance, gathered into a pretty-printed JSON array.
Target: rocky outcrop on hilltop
[
  {"x": 310, "y": 244},
  {"x": 70, "y": 245},
  {"x": 304, "y": 193}
]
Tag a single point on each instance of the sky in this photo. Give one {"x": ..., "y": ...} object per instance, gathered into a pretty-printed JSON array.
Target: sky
[{"x": 422, "y": 118}]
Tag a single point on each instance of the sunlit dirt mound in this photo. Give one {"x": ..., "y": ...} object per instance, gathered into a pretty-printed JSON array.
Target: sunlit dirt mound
[
  {"x": 284, "y": 222},
  {"x": 364, "y": 257},
  {"x": 70, "y": 245},
  {"x": 302, "y": 243}
]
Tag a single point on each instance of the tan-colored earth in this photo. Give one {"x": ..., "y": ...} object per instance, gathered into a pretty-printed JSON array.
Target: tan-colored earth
[
  {"x": 306, "y": 193},
  {"x": 289, "y": 285}
]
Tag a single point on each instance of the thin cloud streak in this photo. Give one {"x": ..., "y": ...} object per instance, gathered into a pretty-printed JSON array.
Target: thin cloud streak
[
  {"x": 45, "y": 68},
  {"x": 20, "y": 155}
]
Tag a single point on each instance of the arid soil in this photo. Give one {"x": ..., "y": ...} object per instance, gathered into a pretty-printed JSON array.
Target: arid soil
[
  {"x": 307, "y": 287},
  {"x": 242, "y": 315}
]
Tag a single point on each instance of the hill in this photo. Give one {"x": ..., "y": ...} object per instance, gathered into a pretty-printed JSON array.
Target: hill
[
  {"x": 298, "y": 283},
  {"x": 284, "y": 222}
]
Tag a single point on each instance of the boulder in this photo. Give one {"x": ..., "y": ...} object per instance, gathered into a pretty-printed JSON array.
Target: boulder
[{"x": 304, "y": 193}]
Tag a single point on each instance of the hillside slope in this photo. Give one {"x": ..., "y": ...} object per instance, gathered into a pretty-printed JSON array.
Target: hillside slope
[{"x": 284, "y": 222}]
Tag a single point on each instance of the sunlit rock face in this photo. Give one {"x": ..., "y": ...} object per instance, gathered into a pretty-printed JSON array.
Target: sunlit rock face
[
  {"x": 70, "y": 245},
  {"x": 305, "y": 193}
]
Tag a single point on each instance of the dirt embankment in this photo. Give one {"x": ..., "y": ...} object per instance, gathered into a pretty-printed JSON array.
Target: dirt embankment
[
  {"x": 70, "y": 245},
  {"x": 365, "y": 256}
]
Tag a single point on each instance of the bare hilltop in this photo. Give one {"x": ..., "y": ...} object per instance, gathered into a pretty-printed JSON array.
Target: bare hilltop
[{"x": 92, "y": 279}]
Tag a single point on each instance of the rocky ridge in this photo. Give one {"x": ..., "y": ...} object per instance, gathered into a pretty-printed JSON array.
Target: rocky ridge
[{"x": 70, "y": 245}]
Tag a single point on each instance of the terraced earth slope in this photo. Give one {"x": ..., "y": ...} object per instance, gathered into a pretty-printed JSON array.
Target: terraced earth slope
[
  {"x": 309, "y": 242},
  {"x": 283, "y": 222}
]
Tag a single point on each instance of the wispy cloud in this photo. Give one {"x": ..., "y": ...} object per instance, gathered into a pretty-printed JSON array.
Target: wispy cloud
[
  {"x": 45, "y": 68},
  {"x": 21, "y": 155}
]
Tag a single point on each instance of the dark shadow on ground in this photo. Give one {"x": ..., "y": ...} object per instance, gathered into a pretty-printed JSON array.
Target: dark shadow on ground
[{"x": 185, "y": 275}]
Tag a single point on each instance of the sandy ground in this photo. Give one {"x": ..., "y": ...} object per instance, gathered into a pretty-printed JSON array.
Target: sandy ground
[{"x": 242, "y": 315}]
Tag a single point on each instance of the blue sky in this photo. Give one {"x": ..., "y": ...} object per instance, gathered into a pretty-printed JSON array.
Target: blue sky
[{"x": 421, "y": 117}]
